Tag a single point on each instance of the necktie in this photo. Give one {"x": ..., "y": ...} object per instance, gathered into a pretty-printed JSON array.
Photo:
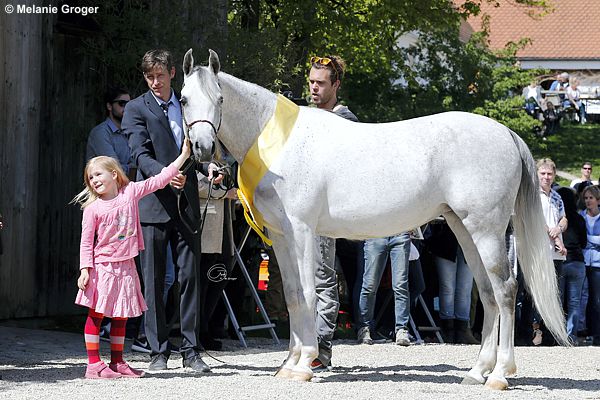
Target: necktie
[
  {"x": 177, "y": 134},
  {"x": 165, "y": 108}
]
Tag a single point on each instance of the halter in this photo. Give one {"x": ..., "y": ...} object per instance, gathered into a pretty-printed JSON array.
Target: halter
[{"x": 215, "y": 130}]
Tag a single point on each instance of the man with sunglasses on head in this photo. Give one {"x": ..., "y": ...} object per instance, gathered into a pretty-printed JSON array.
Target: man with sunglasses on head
[
  {"x": 107, "y": 138},
  {"x": 325, "y": 79}
]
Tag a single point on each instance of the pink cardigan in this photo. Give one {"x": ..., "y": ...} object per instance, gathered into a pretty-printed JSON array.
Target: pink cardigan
[{"x": 115, "y": 224}]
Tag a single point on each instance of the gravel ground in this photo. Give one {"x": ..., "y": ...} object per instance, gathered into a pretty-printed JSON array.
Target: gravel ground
[{"x": 50, "y": 364}]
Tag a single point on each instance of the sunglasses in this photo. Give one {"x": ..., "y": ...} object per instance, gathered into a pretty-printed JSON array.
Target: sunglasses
[
  {"x": 121, "y": 102},
  {"x": 587, "y": 168},
  {"x": 325, "y": 61}
]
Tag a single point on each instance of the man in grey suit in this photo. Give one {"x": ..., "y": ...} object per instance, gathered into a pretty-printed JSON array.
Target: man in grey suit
[{"x": 154, "y": 124}]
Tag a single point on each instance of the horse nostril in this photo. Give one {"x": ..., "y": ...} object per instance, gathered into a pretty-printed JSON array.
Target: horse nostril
[
  {"x": 196, "y": 146},
  {"x": 212, "y": 150}
]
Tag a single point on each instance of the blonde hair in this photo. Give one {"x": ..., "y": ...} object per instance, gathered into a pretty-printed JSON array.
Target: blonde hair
[
  {"x": 87, "y": 196},
  {"x": 546, "y": 162}
]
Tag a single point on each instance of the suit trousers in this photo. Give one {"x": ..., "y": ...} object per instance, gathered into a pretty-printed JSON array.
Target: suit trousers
[
  {"x": 185, "y": 248},
  {"x": 328, "y": 303}
]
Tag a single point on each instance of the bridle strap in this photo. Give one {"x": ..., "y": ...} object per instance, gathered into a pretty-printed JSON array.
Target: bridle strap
[{"x": 215, "y": 130}]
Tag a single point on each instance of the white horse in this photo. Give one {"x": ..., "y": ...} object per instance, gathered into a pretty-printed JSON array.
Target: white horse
[{"x": 332, "y": 177}]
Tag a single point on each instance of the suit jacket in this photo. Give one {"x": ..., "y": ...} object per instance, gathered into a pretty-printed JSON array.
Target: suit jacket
[{"x": 153, "y": 147}]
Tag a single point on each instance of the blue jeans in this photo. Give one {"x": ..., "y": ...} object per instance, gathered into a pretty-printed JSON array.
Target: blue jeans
[
  {"x": 376, "y": 254},
  {"x": 570, "y": 283},
  {"x": 455, "y": 281}
]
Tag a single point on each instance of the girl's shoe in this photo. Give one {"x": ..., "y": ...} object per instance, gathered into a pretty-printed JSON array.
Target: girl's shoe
[
  {"x": 100, "y": 370},
  {"x": 123, "y": 369}
]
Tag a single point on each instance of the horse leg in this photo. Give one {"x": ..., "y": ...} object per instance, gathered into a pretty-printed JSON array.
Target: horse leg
[
  {"x": 290, "y": 279},
  {"x": 302, "y": 246},
  {"x": 489, "y": 335},
  {"x": 492, "y": 249}
]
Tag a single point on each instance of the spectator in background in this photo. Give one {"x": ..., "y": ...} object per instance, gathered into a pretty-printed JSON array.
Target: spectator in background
[
  {"x": 560, "y": 84},
  {"x": 533, "y": 98},
  {"x": 574, "y": 100},
  {"x": 586, "y": 175},
  {"x": 455, "y": 284},
  {"x": 376, "y": 255},
  {"x": 570, "y": 281},
  {"x": 551, "y": 119},
  {"x": 107, "y": 138},
  {"x": 591, "y": 254},
  {"x": 217, "y": 252},
  {"x": 556, "y": 223}
]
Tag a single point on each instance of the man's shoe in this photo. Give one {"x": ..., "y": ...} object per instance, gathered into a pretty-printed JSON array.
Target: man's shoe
[
  {"x": 196, "y": 364},
  {"x": 318, "y": 366},
  {"x": 363, "y": 336},
  {"x": 141, "y": 346},
  {"x": 158, "y": 363},
  {"x": 402, "y": 338}
]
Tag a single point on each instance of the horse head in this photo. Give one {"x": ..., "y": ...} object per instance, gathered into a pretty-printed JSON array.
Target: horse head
[{"x": 201, "y": 101}]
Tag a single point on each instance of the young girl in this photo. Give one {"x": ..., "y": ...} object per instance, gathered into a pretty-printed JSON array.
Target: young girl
[{"x": 111, "y": 237}]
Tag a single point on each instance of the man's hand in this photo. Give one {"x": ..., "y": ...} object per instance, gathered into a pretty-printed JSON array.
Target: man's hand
[
  {"x": 212, "y": 171},
  {"x": 178, "y": 182}
]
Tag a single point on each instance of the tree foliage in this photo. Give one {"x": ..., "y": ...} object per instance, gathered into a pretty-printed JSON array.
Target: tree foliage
[{"x": 269, "y": 42}]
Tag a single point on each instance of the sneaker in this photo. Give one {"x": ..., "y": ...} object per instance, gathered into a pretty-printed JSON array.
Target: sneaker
[
  {"x": 141, "y": 346},
  {"x": 195, "y": 364},
  {"x": 537, "y": 337},
  {"x": 402, "y": 337},
  {"x": 125, "y": 370},
  {"x": 363, "y": 336},
  {"x": 318, "y": 366},
  {"x": 100, "y": 370}
]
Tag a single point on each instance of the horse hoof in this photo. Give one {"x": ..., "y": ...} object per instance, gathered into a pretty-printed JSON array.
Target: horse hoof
[
  {"x": 470, "y": 380},
  {"x": 301, "y": 376},
  {"x": 496, "y": 383},
  {"x": 284, "y": 373}
]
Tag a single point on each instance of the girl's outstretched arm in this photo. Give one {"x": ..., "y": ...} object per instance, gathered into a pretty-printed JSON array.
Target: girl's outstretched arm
[{"x": 186, "y": 150}]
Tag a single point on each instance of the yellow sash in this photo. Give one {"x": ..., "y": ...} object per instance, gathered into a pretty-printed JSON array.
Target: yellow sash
[{"x": 260, "y": 157}]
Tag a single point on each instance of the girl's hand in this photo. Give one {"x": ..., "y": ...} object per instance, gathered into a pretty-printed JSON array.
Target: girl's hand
[
  {"x": 186, "y": 148},
  {"x": 84, "y": 279}
]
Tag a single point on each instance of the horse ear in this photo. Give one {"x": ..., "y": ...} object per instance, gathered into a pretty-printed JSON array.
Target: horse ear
[
  {"x": 213, "y": 62},
  {"x": 188, "y": 62}
]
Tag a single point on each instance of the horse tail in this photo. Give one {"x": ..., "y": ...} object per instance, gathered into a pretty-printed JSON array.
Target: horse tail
[{"x": 532, "y": 247}]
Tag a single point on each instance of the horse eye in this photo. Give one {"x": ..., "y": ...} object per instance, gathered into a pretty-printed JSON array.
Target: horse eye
[{"x": 183, "y": 101}]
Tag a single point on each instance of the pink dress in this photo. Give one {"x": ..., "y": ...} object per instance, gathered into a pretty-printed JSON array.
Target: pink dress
[{"x": 111, "y": 236}]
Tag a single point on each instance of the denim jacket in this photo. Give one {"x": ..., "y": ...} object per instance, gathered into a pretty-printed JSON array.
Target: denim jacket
[{"x": 591, "y": 253}]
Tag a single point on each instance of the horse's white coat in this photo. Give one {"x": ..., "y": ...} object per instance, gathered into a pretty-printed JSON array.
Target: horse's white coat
[{"x": 343, "y": 179}]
